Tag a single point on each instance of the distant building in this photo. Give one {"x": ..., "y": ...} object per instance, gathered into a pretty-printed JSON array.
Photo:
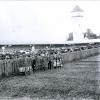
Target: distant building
[
  {"x": 77, "y": 18},
  {"x": 70, "y": 38}
]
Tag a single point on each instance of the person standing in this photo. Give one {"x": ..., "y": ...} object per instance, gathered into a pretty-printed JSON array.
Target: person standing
[{"x": 33, "y": 64}]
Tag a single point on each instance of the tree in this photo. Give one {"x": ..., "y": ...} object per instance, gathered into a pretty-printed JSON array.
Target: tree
[{"x": 89, "y": 34}]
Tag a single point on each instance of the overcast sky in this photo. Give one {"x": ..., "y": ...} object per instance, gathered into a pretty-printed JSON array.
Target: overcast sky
[{"x": 40, "y": 21}]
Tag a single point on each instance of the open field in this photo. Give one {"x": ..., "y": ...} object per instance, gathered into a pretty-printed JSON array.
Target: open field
[{"x": 74, "y": 81}]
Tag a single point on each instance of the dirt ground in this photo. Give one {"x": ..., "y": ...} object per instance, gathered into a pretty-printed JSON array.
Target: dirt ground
[{"x": 74, "y": 81}]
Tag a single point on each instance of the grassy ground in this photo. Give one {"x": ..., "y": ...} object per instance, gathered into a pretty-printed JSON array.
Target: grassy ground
[{"x": 75, "y": 80}]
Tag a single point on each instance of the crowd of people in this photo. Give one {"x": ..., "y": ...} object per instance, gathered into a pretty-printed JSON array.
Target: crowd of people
[
  {"x": 22, "y": 61},
  {"x": 18, "y": 52},
  {"x": 40, "y": 59}
]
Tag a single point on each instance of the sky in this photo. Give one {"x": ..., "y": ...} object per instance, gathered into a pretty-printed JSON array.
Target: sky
[{"x": 44, "y": 21}]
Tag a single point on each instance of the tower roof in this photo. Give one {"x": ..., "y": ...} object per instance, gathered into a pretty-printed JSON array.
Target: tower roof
[{"x": 77, "y": 9}]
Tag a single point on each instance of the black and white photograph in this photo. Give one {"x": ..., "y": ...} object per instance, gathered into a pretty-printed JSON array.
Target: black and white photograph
[{"x": 50, "y": 50}]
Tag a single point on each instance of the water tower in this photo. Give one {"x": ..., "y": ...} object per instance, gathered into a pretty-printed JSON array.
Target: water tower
[{"x": 77, "y": 18}]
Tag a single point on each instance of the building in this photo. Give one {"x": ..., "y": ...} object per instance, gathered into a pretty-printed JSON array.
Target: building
[{"x": 77, "y": 18}]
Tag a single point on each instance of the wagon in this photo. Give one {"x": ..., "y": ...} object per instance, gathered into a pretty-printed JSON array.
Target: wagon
[
  {"x": 57, "y": 63},
  {"x": 25, "y": 69}
]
